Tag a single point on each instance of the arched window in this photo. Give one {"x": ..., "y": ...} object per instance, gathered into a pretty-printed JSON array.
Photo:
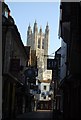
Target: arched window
[
  {"x": 43, "y": 44},
  {"x": 39, "y": 43}
]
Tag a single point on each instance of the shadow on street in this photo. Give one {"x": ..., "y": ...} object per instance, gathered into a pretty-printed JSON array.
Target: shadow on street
[{"x": 38, "y": 115}]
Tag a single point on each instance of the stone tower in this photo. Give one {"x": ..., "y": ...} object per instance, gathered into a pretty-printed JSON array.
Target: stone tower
[{"x": 39, "y": 42}]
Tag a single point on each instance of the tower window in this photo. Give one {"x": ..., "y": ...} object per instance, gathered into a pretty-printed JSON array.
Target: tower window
[
  {"x": 43, "y": 44},
  {"x": 39, "y": 43}
]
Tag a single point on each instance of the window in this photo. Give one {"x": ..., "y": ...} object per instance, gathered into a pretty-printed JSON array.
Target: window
[
  {"x": 43, "y": 44},
  {"x": 6, "y": 13},
  {"x": 39, "y": 43},
  {"x": 43, "y": 94},
  {"x": 49, "y": 95},
  {"x": 44, "y": 87},
  {"x": 44, "y": 97}
]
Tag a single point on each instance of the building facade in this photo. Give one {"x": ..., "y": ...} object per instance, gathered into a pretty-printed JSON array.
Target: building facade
[
  {"x": 15, "y": 59},
  {"x": 45, "y": 95},
  {"x": 70, "y": 84}
]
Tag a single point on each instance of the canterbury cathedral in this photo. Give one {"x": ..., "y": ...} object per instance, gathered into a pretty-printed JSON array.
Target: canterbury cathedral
[{"x": 39, "y": 41}]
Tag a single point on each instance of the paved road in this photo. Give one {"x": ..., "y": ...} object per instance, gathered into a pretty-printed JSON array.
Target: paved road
[{"x": 39, "y": 115}]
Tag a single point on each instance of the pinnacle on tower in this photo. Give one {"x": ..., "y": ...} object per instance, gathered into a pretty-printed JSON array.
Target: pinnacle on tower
[
  {"x": 35, "y": 27},
  {"x": 35, "y": 22},
  {"x": 47, "y": 24},
  {"x": 40, "y": 29},
  {"x": 29, "y": 29},
  {"x": 29, "y": 26},
  {"x": 47, "y": 28}
]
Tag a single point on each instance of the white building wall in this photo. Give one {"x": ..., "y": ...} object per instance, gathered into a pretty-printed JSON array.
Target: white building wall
[{"x": 46, "y": 92}]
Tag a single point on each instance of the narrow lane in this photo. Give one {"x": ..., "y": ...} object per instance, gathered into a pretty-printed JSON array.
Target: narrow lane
[{"x": 39, "y": 115}]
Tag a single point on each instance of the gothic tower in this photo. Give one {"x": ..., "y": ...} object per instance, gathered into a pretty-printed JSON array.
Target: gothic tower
[
  {"x": 46, "y": 44},
  {"x": 39, "y": 42}
]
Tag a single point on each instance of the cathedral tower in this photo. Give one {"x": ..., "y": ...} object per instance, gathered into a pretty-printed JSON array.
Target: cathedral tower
[{"x": 39, "y": 42}]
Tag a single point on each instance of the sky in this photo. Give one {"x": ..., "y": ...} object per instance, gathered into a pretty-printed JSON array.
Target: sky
[{"x": 25, "y": 13}]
